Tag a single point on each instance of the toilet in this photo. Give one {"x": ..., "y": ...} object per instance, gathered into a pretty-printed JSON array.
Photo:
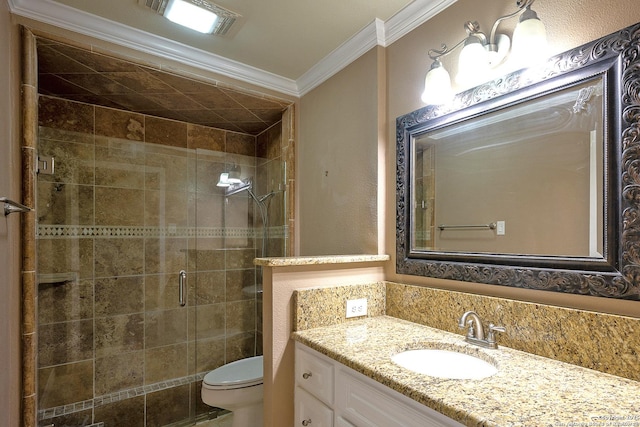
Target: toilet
[{"x": 237, "y": 387}]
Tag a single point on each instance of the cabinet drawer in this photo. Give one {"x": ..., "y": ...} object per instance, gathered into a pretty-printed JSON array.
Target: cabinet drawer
[
  {"x": 310, "y": 412},
  {"x": 314, "y": 374}
]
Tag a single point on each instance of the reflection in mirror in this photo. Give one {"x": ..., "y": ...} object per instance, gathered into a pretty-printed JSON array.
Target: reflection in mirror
[
  {"x": 522, "y": 180},
  {"x": 530, "y": 180}
]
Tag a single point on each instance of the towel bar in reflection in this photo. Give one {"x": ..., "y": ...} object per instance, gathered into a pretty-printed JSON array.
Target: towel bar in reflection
[
  {"x": 12, "y": 207},
  {"x": 490, "y": 226}
]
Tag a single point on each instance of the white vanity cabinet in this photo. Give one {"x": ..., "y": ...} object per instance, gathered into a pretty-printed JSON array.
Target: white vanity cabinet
[
  {"x": 314, "y": 389},
  {"x": 309, "y": 411},
  {"x": 327, "y": 388}
]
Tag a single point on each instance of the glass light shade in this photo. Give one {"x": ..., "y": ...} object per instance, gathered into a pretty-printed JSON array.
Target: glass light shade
[
  {"x": 530, "y": 42},
  {"x": 497, "y": 52},
  {"x": 191, "y": 16},
  {"x": 437, "y": 87},
  {"x": 473, "y": 64}
]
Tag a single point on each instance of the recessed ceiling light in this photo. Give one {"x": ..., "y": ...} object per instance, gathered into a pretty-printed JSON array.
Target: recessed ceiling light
[
  {"x": 200, "y": 15},
  {"x": 191, "y": 16}
]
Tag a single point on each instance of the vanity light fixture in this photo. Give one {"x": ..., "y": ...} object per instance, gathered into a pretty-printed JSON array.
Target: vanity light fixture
[
  {"x": 480, "y": 53},
  {"x": 199, "y": 15}
]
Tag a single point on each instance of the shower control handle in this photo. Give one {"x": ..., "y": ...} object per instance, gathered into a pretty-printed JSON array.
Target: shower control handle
[
  {"x": 306, "y": 422},
  {"x": 306, "y": 375},
  {"x": 181, "y": 278}
]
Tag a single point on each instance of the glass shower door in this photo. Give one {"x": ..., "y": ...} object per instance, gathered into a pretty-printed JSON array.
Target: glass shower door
[
  {"x": 169, "y": 323},
  {"x": 113, "y": 236},
  {"x": 224, "y": 303}
]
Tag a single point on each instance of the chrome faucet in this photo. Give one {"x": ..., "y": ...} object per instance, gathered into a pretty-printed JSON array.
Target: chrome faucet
[{"x": 475, "y": 330}]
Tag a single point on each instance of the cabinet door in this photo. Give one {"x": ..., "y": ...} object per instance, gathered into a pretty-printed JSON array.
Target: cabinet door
[
  {"x": 314, "y": 373},
  {"x": 366, "y": 403},
  {"x": 310, "y": 412},
  {"x": 341, "y": 422}
]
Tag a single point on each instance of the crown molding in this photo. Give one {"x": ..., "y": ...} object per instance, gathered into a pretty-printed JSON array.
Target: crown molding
[
  {"x": 367, "y": 38},
  {"x": 412, "y": 16},
  {"x": 377, "y": 33}
]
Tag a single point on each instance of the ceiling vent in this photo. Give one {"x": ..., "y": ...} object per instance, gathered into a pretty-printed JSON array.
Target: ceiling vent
[{"x": 226, "y": 18}]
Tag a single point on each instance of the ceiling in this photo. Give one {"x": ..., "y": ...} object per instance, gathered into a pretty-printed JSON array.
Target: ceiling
[
  {"x": 284, "y": 37},
  {"x": 289, "y": 46}
]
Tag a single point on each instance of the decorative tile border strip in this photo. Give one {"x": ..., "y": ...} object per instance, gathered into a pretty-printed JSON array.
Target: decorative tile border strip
[
  {"x": 279, "y": 232},
  {"x": 45, "y": 414},
  {"x": 89, "y": 231},
  {"x": 65, "y": 409}
]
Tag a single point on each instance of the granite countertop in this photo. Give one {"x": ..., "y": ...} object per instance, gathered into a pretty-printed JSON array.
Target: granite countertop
[
  {"x": 527, "y": 391},
  {"x": 318, "y": 260}
]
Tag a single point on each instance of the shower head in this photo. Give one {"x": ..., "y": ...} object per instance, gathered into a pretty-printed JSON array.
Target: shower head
[
  {"x": 247, "y": 184},
  {"x": 232, "y": 176}
]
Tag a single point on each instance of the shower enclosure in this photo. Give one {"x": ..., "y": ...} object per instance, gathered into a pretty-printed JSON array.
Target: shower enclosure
[{"x": 144, "y": 265}]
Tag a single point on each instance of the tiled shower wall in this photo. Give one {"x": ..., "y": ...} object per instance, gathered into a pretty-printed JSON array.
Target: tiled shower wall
[
  {"x": 425, "y": 198},
  {"x": 132, "y": 202},
  {"x": 272, "y": 175}
]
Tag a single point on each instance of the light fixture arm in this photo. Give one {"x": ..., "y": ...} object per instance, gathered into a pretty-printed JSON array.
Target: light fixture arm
[
  {"x": 436, "y": 54},
  {"x": 480, "y": 53},
  {"x": 472, "y": 29},
  {"x": 522, "y": 6}
]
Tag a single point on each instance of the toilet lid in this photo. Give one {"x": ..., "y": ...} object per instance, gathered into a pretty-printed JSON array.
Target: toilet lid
[{"x": 241, "y": 373}]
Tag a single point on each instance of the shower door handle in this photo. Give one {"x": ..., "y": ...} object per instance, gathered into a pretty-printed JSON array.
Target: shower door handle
[
  {"x": 181, "y": 279},
  {"x": 11, "y": 207}
]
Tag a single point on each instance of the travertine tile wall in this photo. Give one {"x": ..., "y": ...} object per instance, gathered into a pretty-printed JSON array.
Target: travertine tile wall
[
  {"x": 424, "y": 190},
  {"x": 29, "y": 92},
  {"x": 132, "y": 202},
  {"x": 271, "y": 173}
]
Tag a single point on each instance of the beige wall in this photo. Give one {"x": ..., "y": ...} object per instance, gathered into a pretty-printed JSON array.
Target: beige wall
[
  {"x": 337, "y": 124},
  {"x": 9, "y": 226},
  {"x": 544, "y": 203},
  {"x": 569, "y": 23},
  {"x": 337, "y": 163},
  {"x": 279, "y": 284}
]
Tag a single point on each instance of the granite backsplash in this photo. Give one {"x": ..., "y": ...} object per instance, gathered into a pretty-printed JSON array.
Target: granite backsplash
[{"x": 603, "y": 342}]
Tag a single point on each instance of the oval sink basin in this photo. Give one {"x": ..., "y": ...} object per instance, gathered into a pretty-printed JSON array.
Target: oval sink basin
[{"x": 445, "y": 364}]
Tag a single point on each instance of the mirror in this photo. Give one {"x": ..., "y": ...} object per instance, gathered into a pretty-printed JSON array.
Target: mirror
[
  {"x": 527, "y": 179},
  {"x": 531, "y": 180}
]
